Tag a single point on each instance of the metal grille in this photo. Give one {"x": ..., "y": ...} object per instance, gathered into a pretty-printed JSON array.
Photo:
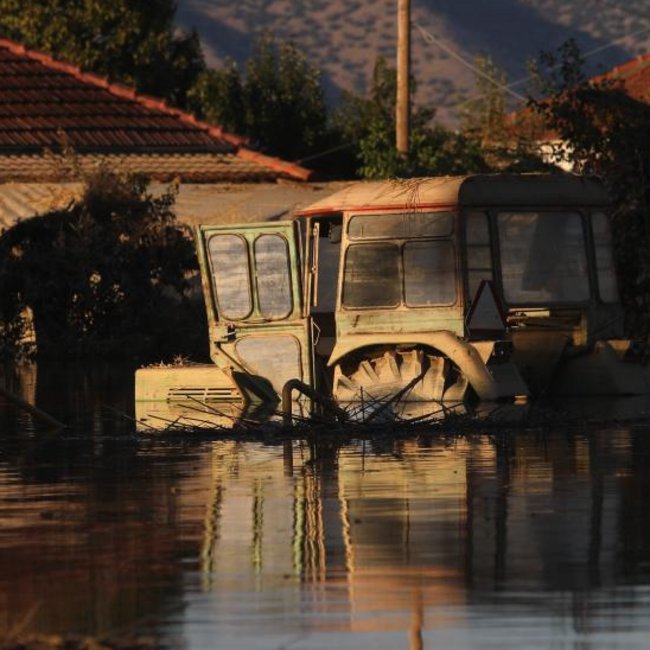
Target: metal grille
[{"x": 201, "y": 394}]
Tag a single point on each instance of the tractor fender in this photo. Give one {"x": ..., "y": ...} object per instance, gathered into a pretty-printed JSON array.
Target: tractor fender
[{"x": 459, "y": 351}]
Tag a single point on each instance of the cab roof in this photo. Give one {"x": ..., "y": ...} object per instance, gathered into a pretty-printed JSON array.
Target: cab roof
[{"x": 453, "y": 191}]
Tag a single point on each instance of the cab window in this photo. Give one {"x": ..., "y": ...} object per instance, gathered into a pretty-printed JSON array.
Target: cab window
[
  {"x": 372, "y": 276},
  {"x": 607, "y": 287},
  {"x": 231, "y": 279},
  {"x": 273, "y": 276},
  {"x": 235, "y": 260},
  {"x": 416, "y": 268},
  {"x": 478, "y": 250},
  {"x": 543, "y": 257}
]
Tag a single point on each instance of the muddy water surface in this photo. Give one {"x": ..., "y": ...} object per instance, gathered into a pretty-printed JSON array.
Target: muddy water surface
[{"x": 532, "y": 539}]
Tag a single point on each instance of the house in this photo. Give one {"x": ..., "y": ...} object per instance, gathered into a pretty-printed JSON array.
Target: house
[
  {"x": 633, "y": 77},
  {"x": 47, "y": 106}
]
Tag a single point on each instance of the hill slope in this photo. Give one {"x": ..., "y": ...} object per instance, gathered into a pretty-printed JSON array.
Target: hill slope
[{"x": 344, "y": 37}]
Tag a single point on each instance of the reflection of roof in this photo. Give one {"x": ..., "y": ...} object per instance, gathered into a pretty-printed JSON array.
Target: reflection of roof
[
  {"x": 45, "y": 103},
  {"x": 448, "y": 192}
]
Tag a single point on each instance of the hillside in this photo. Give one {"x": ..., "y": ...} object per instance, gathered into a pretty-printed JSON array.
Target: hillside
[{"x": 343, "y": 38}]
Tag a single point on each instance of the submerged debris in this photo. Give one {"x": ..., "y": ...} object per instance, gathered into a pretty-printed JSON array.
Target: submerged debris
[{"x": 365, "y": 420}]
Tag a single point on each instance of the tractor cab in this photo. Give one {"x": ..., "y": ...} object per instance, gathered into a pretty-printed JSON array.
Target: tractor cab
[{"x": 431, "y": 289}]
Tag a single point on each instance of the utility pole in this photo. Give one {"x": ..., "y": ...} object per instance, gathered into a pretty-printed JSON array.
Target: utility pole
[{"x": 403, "y": 106}]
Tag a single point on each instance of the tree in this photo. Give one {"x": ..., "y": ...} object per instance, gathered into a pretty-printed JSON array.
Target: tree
[
  {"x": 604, "y": 131},
  {"x": 132, "y": 41},
  {"x": 369, "y": 123},
  {"x": 99, "y": 276},
  {"x": 505, "y": 140},
  {"x": 483, "y": 118},
  {"x": 278, "y": 102}
]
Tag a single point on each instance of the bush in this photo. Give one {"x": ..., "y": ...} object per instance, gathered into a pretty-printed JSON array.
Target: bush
[
  {"x": 109, "y": 274},
  {"x": 604, "y": 131}
]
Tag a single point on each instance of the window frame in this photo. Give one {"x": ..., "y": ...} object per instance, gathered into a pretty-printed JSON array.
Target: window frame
[
  {"x": 378, "y": 215},
  {"x": 585, "y": 223},
  {"x": 221, "y": 315},
  {"x": 596, "y": 268},
  {"x": 258, "y": 307},
  {"x": 402, "y": 305},
  {"x": 492, "y": 246},
  {"x": 254, "y": 315}
]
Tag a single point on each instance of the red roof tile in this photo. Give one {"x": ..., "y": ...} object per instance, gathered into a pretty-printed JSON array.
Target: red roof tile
[
  {"x": 634, "y": 75},
  {"x": 189, "y": 167},
  {"x": 44, "y": 102}
]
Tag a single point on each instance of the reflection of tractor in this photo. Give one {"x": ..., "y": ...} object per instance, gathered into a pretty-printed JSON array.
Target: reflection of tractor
[{"x": 430, "y": 289}]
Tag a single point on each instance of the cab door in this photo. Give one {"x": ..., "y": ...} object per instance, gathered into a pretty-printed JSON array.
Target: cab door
[{"x": 252, "y": 286}]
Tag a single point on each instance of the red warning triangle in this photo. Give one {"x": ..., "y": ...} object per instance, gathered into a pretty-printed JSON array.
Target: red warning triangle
[{"x": 486, "y": 316}]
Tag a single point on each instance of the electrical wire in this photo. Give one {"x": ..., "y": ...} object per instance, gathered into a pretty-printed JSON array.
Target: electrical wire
[
  {"x": 430, "y": 38},
  {"x": 433, "y": 40},
  {"x": 586, "y": 55},
  {"x": 324, "y": 153}
]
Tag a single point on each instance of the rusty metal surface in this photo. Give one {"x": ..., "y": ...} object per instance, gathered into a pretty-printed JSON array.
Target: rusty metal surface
[
  {"x": 379, "y": 341},
  {"x": 478, "y": 190},
  {"x": 265, "y": 363}
]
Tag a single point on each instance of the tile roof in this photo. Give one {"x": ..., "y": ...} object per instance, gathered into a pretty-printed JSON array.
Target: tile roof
[
  {"x": 634, "y": 75},
  {"x": 163, "y": 167},
  {"x": 44, "y": 102}
]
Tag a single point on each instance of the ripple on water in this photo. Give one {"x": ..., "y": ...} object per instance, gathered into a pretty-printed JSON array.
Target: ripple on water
[{"x": 520, "y": 540}]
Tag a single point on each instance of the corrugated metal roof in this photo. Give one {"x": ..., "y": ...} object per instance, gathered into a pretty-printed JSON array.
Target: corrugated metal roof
[
  {"x": 24, "y": 200},
  {"x": 241, "y": 203},
  {"x": 195, "y": 203}
]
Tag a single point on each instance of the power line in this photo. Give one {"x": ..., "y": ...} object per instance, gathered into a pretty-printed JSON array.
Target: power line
[
  {"x": 324, "y": 153},
  {"x": 596, "y": 50},
  {"x": 430, "y": 38}
]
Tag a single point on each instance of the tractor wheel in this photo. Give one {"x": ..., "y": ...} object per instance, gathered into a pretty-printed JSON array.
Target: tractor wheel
[{"x": 380, "y": 377}]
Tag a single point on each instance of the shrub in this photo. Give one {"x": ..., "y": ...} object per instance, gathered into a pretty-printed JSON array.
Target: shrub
[{"x": 110, "y": 273}]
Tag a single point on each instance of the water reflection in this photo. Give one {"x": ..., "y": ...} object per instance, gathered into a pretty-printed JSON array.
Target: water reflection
[
  {"x": 526, "y": 539},
  {"x": 443, "y": 540}
]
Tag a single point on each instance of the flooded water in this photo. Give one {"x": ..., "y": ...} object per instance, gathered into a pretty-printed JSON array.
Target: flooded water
[{"x": 525, "y": 539}]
